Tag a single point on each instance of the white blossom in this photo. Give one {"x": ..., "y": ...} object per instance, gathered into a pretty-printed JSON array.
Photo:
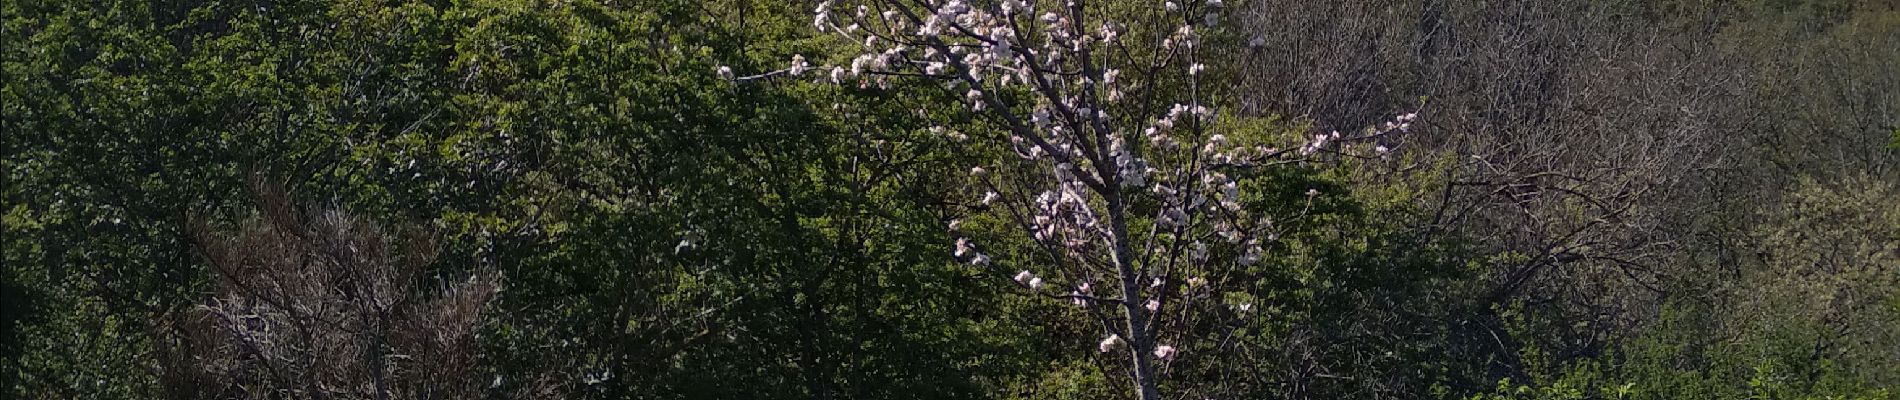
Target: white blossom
[
  {"x": 799, "y": 66},
  {"x": 1110, "y": 343},
  {"x": 1252, "y": 255},
  {"x": 689, "y": 240},
  {"x": 858, "y": 64},
  {"x": 1082, "y": 290},
  {"x": 1165, "y": 352}
]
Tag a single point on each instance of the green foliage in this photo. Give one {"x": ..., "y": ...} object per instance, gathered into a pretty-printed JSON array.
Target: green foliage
[
  {"x": 664, "y": 233},
  {"x": 569, "y": 145}
]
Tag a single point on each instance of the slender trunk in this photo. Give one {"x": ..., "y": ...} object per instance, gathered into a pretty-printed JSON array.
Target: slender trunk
[
  {"x": 1138, "y": 338},
  {"x": 374, "y": 355}
]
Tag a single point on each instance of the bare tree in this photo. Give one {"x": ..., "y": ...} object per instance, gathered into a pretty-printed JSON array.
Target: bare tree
[
  {"x": 321, "y": 304},
  {"x": 1614, "y": 147}
]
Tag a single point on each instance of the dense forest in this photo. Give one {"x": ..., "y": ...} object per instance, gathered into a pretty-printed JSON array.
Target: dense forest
[{"x": 955, "y": 199}]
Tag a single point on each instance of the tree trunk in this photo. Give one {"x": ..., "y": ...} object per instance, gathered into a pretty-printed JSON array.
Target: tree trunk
[{"x": 1139, "y": 342}]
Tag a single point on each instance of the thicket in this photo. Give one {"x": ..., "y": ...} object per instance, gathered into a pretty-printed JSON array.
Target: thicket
[{"x": 566, "y": 199}]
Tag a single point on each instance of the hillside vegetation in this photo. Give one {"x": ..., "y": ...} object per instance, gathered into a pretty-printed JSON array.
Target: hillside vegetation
[{"x": 683, "y": 199}]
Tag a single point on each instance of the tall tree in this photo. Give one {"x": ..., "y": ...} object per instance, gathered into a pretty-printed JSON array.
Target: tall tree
[{"x": 1112, "y": 166}]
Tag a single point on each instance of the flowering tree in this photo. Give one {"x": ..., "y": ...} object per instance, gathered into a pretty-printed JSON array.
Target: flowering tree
[{"x": 1114, "y": 167}]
